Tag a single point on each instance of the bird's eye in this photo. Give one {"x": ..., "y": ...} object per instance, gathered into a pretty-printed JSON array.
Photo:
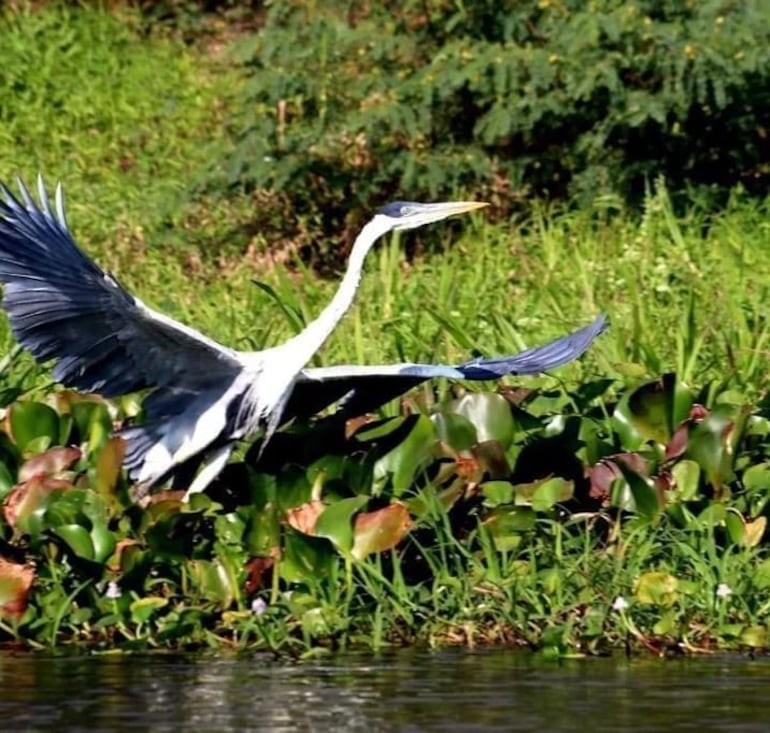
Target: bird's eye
[{"x": 406, "y": 210}]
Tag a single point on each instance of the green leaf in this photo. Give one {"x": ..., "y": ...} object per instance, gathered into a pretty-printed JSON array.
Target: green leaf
[
  {"x": 306, "y": 559},
  {"x": 541, "y": 495},
  {"x": 506, "y": 525},
  {"x": 651, "y": 412},
  {"x": 757, "y": 477},
  {"x": 33, "y": 421},
  {"x": 77, "y": 538},
  {"x": 636, "y": 493},
  {"x": 735, "y": 526},
  {"x": 657, "y": 588},
  {"x": 497, "y": 492},
  {"x": 143, "y": 609},
  {"x": 412, "y": 455},
  {"x": 336, "y": 522},
  {"x": 93, "y": 422},
  {"x": 761, "y": 576},
  {"x": 103, "y": 540},
  {"x": 489, "y": 413},
  {"x": 551, "y": 492},
  {"x": 754, "y": 636},
  {"x": 713, "y": 441},
  {"x": 455, "y": 430},
  {"x": 686, "y": 479}
]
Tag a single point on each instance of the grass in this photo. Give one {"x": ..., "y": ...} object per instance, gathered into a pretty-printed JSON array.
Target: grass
[{"x": 135, "y": 126}]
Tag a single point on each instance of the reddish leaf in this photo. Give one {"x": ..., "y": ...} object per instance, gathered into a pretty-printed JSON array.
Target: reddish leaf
[
  {"x": 256, "y": 571},
  {"x": 303, "y": 518},
  {"x": 353, "y": 425},
  {"x": 607, "y": 470},
  {"x": 25, "y": 498},
  {"x": 468, "y": 468},
  {"x": 175, "y": 496},
  {"x": 380, "y": 530},
  {"x": 491, "y": 457},
  {"x": 15, "y": 583},
  {"x": 52, "y": 461},
  {"x": 114, "y": 562},
  {"x": 678, "y": 443}
]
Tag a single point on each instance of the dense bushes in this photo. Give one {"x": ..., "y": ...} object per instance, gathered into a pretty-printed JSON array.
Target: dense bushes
[{"x": 354, "y": 104}]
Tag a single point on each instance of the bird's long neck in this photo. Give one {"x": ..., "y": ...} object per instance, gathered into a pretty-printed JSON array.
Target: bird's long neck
[{"x": 313, "y": 336}]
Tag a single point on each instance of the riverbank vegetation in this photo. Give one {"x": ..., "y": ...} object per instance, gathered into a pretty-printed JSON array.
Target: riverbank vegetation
[{"x": 620, "y": 502}]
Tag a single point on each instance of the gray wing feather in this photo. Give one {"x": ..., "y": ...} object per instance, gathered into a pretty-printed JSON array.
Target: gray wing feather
[
  {"x": 62, "y": 306},
  {"x": 361, "y": 389}
]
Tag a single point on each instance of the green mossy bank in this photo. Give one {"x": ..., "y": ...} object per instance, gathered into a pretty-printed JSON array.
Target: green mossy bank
[{"x": 620, "y": 502}]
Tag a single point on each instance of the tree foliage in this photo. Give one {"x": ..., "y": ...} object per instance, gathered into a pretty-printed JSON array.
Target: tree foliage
[{"x": 358, "y": 101}]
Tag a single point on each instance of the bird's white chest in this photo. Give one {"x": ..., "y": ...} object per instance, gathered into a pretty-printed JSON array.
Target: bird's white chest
[{"x": 270, "y": 385}]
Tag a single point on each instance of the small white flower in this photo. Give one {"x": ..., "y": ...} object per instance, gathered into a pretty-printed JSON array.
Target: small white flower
[
  {"x": 258, "y": 606},
  {"x": 724, "y": 590},
  {"x": 619, "y": 604},
  {"x": 113, "y": 590}
]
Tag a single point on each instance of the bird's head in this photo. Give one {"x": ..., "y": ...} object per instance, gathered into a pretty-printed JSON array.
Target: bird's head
[{"x": 409, "y": 214}]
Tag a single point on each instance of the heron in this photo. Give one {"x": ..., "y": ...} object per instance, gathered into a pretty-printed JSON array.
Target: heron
[{"x": 203, "y": 397}]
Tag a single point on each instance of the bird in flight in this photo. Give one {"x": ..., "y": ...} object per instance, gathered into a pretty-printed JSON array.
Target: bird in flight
[{"x": 203, "y": 396}]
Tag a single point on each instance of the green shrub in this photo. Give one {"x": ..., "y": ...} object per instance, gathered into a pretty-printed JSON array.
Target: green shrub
[{"x": 355, "y": 105}]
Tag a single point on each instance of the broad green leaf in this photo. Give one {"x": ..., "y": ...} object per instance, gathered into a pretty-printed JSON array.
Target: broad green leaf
[
  {"x": 104, "y": 541},
  {"x": 143, "y": 609},
  {"x": 657, "y": 588},
  {"x": 411, "y": 456},
  {"x": 757, "y": 477},
  {"x": 33, "y": 421},
  {"x": 651, "y": 412},
  {"x": 641, "y": 491},
  {"x": 736, "y": 526},
  {"x": 489, "y": 413},
  {"x": 504, "y": 522},
  {"x": 306, "y": 559},
  {"x": 712, "y": 443},
  {"x": 754, "y": 636},
  {"x": 686, "y": 478},
  {"x": 497, "y": 492},
  {"x": 214, "y": 580},
  {"x": 455, "y": 430},
  {"x": 541, "y": 495},
  {"x": 263, "y": 530},
  {"x": 551, "y": 492},
  {"x": 77, "y": 538},
  {"x": 336, "y": 522},
  {"x": 761, "y": 576},
  {"x": 93, "y": 422}
]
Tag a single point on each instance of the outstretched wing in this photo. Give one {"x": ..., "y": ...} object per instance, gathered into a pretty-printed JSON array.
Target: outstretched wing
[
  {"x": 64, "y": 307},
  {"x": 361, "y": 389}
]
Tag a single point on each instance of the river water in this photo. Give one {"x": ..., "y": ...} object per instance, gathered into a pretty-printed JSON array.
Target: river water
[{"x": 453, "y": 690}]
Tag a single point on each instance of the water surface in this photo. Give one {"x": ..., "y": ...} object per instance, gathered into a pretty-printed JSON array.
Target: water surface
[{"x": 454, "y": 690}]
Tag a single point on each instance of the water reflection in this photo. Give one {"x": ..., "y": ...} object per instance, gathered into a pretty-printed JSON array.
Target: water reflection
[{"x": 407, "y": 691}]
